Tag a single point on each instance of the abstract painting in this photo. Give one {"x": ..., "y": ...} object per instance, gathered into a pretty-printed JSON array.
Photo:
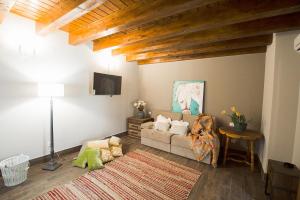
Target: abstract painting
[{"x": 188, "y": 97}]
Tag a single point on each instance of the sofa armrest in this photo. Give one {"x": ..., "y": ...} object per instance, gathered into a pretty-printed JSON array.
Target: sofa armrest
[{"x": 147, "y": 125}]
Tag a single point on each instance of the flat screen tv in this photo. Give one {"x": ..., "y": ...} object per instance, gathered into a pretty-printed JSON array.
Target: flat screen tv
[{"x": 105, "y": 84}]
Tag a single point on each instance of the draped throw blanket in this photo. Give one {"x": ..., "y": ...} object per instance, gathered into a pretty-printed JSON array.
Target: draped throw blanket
[{"x": 204, "y": 140}]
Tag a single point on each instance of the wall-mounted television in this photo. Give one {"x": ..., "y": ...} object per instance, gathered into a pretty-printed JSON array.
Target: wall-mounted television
[{"x": 105, "y": 84}]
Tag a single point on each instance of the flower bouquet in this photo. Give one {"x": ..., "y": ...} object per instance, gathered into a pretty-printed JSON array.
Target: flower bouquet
[
  {"x": 140, "y": 106},
  {"x": 238, "y": 119}
]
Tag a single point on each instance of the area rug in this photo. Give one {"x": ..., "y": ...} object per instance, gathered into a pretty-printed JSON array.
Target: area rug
[{"x": 136, "y": 175}]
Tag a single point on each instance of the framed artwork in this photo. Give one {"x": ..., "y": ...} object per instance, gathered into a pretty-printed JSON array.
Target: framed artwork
[{"x": 188, "y": 97}]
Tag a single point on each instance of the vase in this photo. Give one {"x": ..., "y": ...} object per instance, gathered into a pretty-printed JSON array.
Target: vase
[
  {"x": 140, "y": 114},
  {"x": 240, "y": 127}
]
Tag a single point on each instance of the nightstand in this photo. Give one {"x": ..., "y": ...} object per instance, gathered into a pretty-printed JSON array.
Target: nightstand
[
  {"x": 282, "y": 182},
  {"x": 134, "y": 126}
]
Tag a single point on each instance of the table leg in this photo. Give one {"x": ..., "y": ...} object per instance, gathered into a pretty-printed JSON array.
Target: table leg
[
  {"x": 226, "y": 149},
  {"x": 252, "y": 155},
  {"x": 249, "y": 151}
]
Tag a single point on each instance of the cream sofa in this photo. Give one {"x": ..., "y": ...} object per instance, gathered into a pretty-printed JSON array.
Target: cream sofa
[{"x": 166, "y": 141}]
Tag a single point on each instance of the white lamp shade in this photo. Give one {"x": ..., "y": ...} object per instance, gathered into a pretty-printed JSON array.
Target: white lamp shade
[{"x": 51, "y": 90}]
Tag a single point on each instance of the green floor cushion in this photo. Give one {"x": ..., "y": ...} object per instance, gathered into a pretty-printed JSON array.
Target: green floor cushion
[
  {"x": 81, "y": 160},
  {"x": 94, "y": 161},
  {"x": 90, "y": 157}
]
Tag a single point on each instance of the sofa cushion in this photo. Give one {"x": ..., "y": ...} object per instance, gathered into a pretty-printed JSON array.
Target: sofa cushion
[
  {"x": 167, "y": 114},
  {"x": 182, "y": 141},
  {"x": 161, "y": 136},
  {"x": 190, "y": 119}
]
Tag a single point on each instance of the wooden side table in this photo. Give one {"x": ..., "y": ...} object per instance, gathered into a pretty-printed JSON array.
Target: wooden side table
[
  {"x": 134, "y": 126},
  {"x": 249, "y": 136}
]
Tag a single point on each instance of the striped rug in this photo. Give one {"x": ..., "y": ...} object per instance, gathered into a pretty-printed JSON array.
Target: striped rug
[{"x": 137, "y": 175}]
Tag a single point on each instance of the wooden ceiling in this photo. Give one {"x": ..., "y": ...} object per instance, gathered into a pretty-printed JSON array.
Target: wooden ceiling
[{"x": 153, "y": 31}]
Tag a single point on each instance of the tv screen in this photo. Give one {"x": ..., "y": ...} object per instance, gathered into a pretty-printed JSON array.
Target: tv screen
[{"x": 105, "y": 84}]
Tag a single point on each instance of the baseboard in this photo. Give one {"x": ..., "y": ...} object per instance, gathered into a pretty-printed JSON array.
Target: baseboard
[{"x": 45, "y": 158}]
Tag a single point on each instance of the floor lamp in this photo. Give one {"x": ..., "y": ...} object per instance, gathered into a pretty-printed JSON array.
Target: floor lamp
[{"x": 51, "y": 90}]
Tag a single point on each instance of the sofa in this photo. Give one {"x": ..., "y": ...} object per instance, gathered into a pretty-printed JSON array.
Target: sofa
[{"x": 177, "y": 144}]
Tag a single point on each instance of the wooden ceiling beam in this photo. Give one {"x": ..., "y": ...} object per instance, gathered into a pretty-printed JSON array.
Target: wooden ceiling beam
[
  {"x": 5, "y": 7},
  {"x": 204, "y": 55},
  {"x": 137, "y": 15},
  {"x": 256, "y": 41},
  {"x": 235, "y": 31},
  {"x": 73, "y": 11},
  {"x": 214, "y": 15}
]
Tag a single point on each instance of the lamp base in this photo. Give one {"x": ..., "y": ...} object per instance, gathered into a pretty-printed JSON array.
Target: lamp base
[{"x": 52, "y": 165}]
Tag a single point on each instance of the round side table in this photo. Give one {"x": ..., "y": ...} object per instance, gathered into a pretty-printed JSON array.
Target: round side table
[{"x": 247, "y": 135}]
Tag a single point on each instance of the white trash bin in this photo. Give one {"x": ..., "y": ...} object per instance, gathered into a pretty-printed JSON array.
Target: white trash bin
[{"x": 14, "y": 169}]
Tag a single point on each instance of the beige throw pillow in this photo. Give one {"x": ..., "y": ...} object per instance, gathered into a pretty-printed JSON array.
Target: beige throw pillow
[
  {"x": 106, "y": 155},
  {"x": 98, "y": 144},
  {"x": 114, "y": 141},
  {"x": 116, "y": 150}
]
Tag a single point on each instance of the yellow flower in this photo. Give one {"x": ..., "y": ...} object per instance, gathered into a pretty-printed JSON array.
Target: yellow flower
[
  {"x": 233, "y": 109},
  {"x": 223, "y": 112},
  {"x": 238, "y": 114}
]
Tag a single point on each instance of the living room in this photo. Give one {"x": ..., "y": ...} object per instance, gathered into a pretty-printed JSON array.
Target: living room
[{"x": 244, "y": 55}]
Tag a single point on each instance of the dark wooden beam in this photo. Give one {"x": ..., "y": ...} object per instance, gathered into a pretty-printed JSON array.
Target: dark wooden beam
[
  {"x": 215, "y": 15},
  {"x": 204, "y": 55},
  {"x": 74, "y": 10},
  {"x": 256, "y": 41},
  {"x": 235, "y": 31},
  {"x": 139, "y": 14}
]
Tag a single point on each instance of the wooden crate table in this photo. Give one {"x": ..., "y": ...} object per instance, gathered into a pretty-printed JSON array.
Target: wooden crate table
[
  {"x": 134, "y": 126},
  {"x": 281, "y": 182},
  {"x": 247, "y": 135}
]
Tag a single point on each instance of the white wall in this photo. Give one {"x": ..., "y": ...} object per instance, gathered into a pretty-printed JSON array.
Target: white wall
[
  {"x": 24, "y": 117},
  {"x": 281, "y": 97},
  {"x": 267, "y": 104},
  {"x": 231, "y": 80}
]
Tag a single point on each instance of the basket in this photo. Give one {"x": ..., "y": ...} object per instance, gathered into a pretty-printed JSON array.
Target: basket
[{"x": 14, "y": 169}]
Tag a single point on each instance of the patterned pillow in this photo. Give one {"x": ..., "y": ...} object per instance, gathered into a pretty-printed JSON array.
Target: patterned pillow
[
  {"x": 116, "y": 150},
  {"x": 98, "y": 144},
  {"x": 106, "y": 155},
  {"x": 115, "y": 141}
]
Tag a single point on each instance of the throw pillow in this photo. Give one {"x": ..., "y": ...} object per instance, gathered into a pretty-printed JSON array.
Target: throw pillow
[
  {"x": 115, "y": 141},
  {"x": 94, "y": 161},
  {"x": 98, "y": 144},
  {"x": 106, "y": 155},
  {"x": 116, "y": 151},
  {"x": 179, "y": 127},
  {"x": 81, "y": 159},
  {"x": 162, "y": 126},
  {"x": 162, "y": 123}
]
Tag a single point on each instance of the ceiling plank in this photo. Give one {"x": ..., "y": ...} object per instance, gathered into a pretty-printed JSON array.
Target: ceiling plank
[
  {"x": 235, "y": 31},
  {"x": 5, "y": 7},
  {"x": 75, "y": 11},
  {"x": 215, "y": 15},
  {"x": 256, "y": 41},
  {"x": 136, "y": 15},
  {"x": 204, "y": 55}
]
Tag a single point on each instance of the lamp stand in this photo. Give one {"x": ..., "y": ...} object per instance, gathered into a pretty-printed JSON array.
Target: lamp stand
[{"x": 52, "y": 164}]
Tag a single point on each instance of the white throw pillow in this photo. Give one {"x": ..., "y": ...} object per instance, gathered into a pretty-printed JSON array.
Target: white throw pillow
[
  {"x": 162, "y": 126},
  {"x": 162, "y": 123},
  {"x": 114, "y": 141},
  {"x": 179, "y": 127},
  {"x": 98, "y": 144}
]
